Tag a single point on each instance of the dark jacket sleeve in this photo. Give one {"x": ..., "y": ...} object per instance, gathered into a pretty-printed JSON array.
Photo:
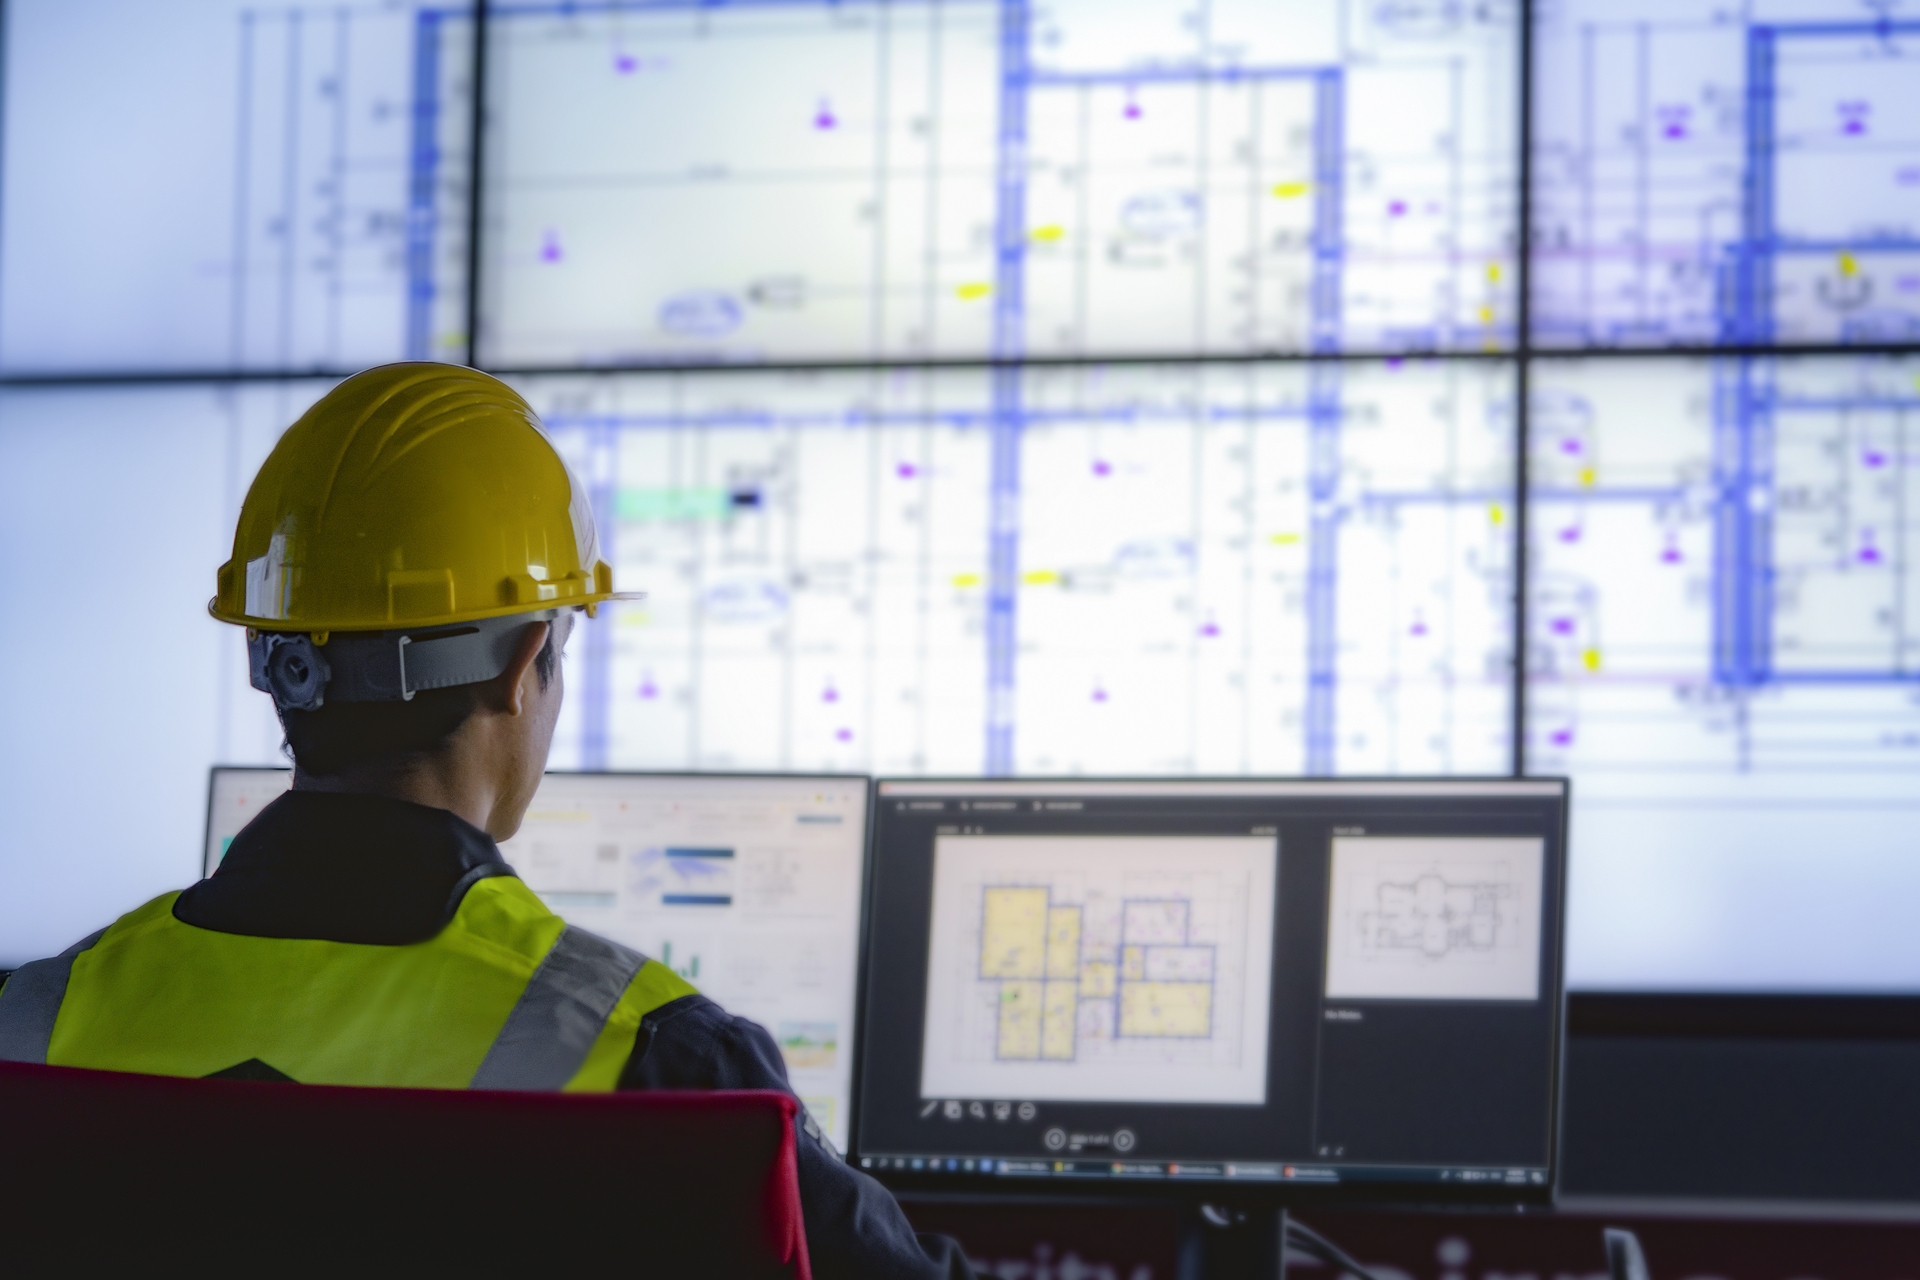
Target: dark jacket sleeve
[{"x": 854, "y": 1226}]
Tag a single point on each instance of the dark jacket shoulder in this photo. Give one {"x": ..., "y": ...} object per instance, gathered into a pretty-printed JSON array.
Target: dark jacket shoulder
[{"x": 854, "y": 1225}]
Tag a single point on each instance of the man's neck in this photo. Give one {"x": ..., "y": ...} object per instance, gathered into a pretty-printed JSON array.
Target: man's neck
[{"x": 440, "y": 780}]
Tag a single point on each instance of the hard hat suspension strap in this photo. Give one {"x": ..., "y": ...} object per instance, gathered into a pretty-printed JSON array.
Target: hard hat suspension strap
[{"x": 382, "y": 666}]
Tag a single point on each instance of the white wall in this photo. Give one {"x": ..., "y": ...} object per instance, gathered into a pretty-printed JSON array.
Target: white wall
[{"x": 116, "y": 507}]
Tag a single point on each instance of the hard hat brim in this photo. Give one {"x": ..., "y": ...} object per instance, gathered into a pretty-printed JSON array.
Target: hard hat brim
[{"x": 421, "y": 624}]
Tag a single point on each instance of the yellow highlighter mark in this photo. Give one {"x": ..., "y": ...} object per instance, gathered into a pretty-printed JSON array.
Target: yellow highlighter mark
[
  {"x": 1497, "y": 513},
  {"x": 1493, "y": 272},
  {"x": 1040, "y": 578},
  {"x": 1486, "y": 315},
  {"x": 1849, "y": 265},
  {"x": 1284, "y": 539},
  {"x": 978, "y": 289},
  {"x": 1592, "y": 659},
  {"x": 1291, "y": 190},
  {"x": 1587, "y": 476},
  {"x": 966, "y": 579},
  {"x": 1049, "y": 233}
]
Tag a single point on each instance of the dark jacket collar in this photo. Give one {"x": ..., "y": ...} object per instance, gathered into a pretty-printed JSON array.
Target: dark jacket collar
[{"x": 343, "y": 867}]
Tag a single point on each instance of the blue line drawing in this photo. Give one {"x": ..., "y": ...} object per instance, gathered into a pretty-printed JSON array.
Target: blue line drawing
[
  {"x": 1029, "y": 78},
  {"x": 1678, "y": 203}
]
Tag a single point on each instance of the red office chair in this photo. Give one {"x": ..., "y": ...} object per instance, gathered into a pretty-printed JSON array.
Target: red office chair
[{"x": 222, "y": 1175}]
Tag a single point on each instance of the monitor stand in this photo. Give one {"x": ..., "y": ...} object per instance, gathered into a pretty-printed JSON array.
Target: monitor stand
[{"x": 1219, "y": 1242}]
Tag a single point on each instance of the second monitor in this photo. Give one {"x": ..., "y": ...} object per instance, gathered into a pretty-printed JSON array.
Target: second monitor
[
  {"x": 749, "y": 886},
  {"x": 1319, "y": 988}
]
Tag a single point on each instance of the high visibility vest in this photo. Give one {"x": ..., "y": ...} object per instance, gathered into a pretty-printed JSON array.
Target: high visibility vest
[{"x": 506, "y": 996}]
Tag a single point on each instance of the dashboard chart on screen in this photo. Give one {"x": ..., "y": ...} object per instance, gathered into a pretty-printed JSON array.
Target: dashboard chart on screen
[
  {"x": 868, "y": 180},
  {"x": 1725, "y": 653},
  {"x": 310, "y": 209},
  {"x": 748, "y": 887},
  {"x": 1727, "y": 173},
  {"x": 1155, "y": 569}
]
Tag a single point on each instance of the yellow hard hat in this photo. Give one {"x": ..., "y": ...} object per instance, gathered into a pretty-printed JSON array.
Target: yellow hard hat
[{"x": 411, "y": 495}]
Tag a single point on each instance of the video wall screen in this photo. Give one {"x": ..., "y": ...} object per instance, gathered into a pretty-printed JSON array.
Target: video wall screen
[{"x": 992, "y": 387}]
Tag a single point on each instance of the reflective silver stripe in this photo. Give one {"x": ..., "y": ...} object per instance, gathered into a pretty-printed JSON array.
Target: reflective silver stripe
[
  {"x": 560, "y": 1014},
  {"x": 30, "y": 1003}
]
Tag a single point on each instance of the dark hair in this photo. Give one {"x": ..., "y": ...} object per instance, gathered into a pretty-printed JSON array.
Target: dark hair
[{"x": 344, "y": 736}]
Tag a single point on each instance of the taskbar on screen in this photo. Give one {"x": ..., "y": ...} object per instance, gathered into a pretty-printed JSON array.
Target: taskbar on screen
[{"x": 1532, "y": 1179}]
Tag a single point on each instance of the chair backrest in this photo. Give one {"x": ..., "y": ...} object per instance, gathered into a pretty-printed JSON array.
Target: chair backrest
[{"x": 276, "y": 1176}]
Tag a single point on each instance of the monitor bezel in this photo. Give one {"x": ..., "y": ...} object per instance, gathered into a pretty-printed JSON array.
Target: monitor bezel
[{"x": 1224, "y": 1192}]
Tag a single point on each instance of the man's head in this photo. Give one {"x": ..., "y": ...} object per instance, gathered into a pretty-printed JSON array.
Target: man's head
[
  {"x": 483, "y": 744},
  {"x": 405, "y": 557},
  {"x": 490, "y": 737}
]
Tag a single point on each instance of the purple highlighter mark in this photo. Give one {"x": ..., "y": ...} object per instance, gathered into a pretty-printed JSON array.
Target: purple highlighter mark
[
  {"x": 1908, "y": 284},
  {"x": 906, "y": 470},
  {"x": 1561, "y": 737},
  {"x": 1132, "y": 110},
  {"x": 550, "y": 246},
  {"x": 648, "y": 690},
  {"x": 823, "y": 117},
  {"x": 843, "y": 735},
  {"x": 626, "y": 64},
  {"x": 1561, "y": 626},
  {"x": 1674, "y": 119},
  {"x": 1101, "y": 467},
  {"x": 1853, "y": 117},
  {"x": 1572, "y": 533},
  {"x": 1419, "y": 627},
  {"x": 1670, "y": 554},
  {"x": 1872, "y": 459},
  {"x": 829, "y": 694},
  {"x": 1396, "y": 363},
  {"x": 1572, "y": 445},
  {"x": 1210, "y": 629},
  {"x": 1869, "y": 552},
  {"x": 1099, "y": 693},
  {"x": 1397, "y": 209}
]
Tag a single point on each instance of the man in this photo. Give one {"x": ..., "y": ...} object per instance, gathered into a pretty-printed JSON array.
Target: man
[{"x": 409, "y": 563}]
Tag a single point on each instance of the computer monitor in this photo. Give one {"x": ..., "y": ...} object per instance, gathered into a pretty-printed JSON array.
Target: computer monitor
[
  {"x": 1295, "y": 991},
  {"x": 748, "y": 886},
  {"x": 235, "y": 796}
]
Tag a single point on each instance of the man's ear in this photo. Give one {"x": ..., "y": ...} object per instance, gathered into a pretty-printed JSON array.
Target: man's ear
[{"x": 509, "y": 688}]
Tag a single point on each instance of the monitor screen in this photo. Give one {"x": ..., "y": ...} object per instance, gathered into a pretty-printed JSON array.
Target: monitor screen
[
  {"x": 234, "y": 798},
  {"x": 1307, "y": 989},
  {"x": 747, "y": 886}
]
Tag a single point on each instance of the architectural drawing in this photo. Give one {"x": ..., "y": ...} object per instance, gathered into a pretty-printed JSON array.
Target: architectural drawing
[
  {"x": 994, "y": 177},
  {"x": 1711, "y": 173},
  {"x": 1099, "y": 967},
  {"x": 1058, "y": 981},
  {"x": 1435, "y": 918}
]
